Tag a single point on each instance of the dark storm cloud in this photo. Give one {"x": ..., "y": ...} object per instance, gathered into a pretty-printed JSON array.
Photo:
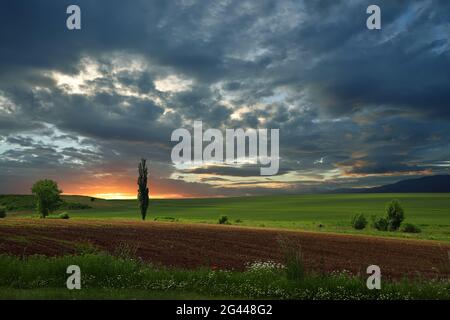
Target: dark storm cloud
[
  {"x": 9, "y": 124},
  {"x": 192, "y": 38},
  {"x": 367, "y": 102},
  {"x": 22, "y": 141},
  {"x": 243, "y": 171},
  {"x": 405, "y": 68}
]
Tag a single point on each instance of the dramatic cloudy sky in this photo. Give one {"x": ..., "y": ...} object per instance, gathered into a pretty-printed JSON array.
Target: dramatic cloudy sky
[{"x": 354, "y": 107}]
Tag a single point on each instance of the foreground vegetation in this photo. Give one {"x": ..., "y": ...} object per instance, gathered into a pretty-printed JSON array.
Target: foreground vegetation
[{"x": 124, "y": 277}]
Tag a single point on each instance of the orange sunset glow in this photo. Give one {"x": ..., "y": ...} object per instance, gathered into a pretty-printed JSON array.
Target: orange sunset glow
[
  {"x": 116, "y": 192},
  {"x": 123, "y": 188}
]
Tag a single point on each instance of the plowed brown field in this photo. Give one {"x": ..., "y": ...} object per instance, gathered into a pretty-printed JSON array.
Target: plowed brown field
[{"x": 226, "y": 247}]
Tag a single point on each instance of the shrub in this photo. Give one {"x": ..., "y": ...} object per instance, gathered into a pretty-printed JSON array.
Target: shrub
[
  {"x": 223, "y": 220},
  {"x": 395, "y": 215},
  {"x": 63, "y": 215},
  {"x": 238, "y": 220},
  {"x": 359, "y": 222},
  {"x": 380, "y": 223},
  {"x": 2, "y": 212},
  {"x": 410, "y": 228}
]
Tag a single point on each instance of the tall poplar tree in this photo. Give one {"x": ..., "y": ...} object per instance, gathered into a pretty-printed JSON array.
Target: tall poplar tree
[{"x": 143, "y": 189}]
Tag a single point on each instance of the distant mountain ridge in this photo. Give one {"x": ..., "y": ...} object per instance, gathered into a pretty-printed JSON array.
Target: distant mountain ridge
[{"x": 438, "y": 183}]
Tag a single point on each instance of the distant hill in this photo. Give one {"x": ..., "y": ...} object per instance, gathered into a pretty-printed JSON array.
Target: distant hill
[
  {"x": 27, "y": 202},
  {"x": 438, "y": 183}
]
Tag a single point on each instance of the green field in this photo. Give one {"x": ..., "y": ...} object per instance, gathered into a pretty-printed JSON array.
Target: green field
[{"x": 323, "y": 212}]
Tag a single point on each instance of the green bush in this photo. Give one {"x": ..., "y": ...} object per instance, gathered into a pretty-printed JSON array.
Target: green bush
[
  {"x": 63, "y": 215},
  {"x": 410, "y": 228},
  {"x": 380, "y": 223},
  {"x": 2, "y": 212},
  {"x": 223, "y": 220},
  {"x": 359, "y": 222},
  {"x": 395, "y": 215}
]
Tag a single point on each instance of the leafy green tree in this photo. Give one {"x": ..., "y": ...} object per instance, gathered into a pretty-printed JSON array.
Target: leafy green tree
[
  {"x": 47, "y": 196},
  {"x": 395, "y": 215},
  {"x": 143, "y": 189}
]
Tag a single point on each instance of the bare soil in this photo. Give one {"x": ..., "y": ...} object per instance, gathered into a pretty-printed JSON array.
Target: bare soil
[{"x": 226, "y": 247}]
